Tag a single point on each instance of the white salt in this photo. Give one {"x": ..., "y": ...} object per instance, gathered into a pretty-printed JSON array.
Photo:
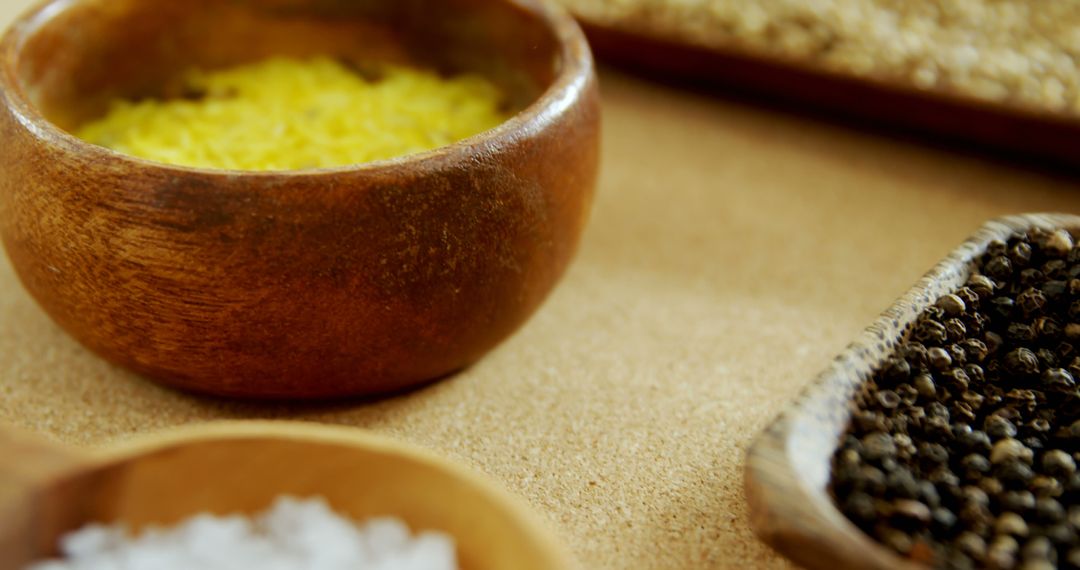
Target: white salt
[{"x": 294, "y": 534}]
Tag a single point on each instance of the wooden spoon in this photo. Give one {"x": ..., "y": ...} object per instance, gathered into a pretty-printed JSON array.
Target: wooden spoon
[{"x": 47, "y": 490}]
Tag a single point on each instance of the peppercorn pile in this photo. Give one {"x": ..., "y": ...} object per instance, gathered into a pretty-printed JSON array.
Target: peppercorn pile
[{"x": 962, "y": 450}]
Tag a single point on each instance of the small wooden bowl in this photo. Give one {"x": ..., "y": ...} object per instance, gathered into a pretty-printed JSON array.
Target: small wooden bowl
[
  {"x": 240, "y": 467},
  {"x": 293, "y": 284},
  {"x": 788, "y": 467}
]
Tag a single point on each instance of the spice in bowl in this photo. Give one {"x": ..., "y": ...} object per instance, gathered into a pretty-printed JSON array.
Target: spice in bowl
[
  {"x": 292, "y": 535},
  {"x": 963, "y": 447},
  {"x": 284, "y": 114}
]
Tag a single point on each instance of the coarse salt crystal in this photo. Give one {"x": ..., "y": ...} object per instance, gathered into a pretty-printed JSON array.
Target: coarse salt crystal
[{"x": 293, "y": 534}]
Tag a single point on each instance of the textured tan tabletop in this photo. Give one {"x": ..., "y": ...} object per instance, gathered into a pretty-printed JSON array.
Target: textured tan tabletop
[{"x": 732, "y": 251}]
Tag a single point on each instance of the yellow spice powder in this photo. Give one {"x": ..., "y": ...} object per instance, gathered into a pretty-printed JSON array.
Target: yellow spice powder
[{"x": 282, "y": 114}]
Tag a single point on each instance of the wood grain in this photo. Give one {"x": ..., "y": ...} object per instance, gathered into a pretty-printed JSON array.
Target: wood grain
[
  {"x": 788, "y": 466},
  {"x": 240, "y": 467},
  {"x": 294, "y": 284}
]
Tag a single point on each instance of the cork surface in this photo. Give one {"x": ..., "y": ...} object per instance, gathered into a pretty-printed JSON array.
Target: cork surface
[{"x": 731, "y": 253}]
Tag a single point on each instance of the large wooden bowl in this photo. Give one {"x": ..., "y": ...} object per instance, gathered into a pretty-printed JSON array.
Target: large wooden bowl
[
  {"x": 241, "y": 467},
  {"x": 788, "y": 466},
  {"x": 301, "y": 284}
]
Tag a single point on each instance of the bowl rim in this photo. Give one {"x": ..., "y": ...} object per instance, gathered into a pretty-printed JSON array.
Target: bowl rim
[
  {"x": 571, "y": 82},
  {"x": 798, "y": 518},
  {"x": 533, "y": 529}
]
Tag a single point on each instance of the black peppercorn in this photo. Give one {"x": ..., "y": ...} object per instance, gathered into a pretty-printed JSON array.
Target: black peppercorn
[
  {"x": 1055, "y": 289},
  {"x": 897, "y": 540},
  {"x": 1009, "y": 450},
  {"x": 1043, "y": 486},
  {"x": 993, "y": 341},
  {"x": 1001, "y": 555},
  {"x": 896, "y": 370},
  {"x": 1055, "y": 269},
  {"x": 1058, "y": 463},
  {"x": 1073, "y": 558},
  {"x": 975, "y": 349},
  {"x": 1012, "y": 524},
  {"x": 934, "y": 453},
  {"x": 868, "y": 420},
  {"x": 1017, "y": 501},
  {"x": 938, "y": 358},
  {"x": 943, "y": 478},
  {"x": 955, "y": 379},
  {"x": 974, "y": 466},
  {"x": 975, "y": 373},
  {"x": 974, "y": 440},
  {"x": 1020, "y": 333},
  {"x": 924, "y": 384},
  {"x": 915, "y": 354},
  {"x": 967, "y": 439},
  {"x": 970, "y": 299},
  {"x": 955, "y": 330},
  {"x": 1049, "y": 510},
  {"x": 887, "y": 399},
  {"x": 860, "y": 507},
  {"x": 942, "y": 521},
  {"x": 1038, "y": 548},
  {"x": 1029, "y": 277},
  {"x": 939, "y": 410},
  {"x": 1021, "y": 362},
  {"x": 991, "y": 485},
  {"x": 1002, "y": 307},
  {"x": 910, "y": 513},
  {"x": 1020, "y": 253},
  {"x": 901, "y": 484},
  {"x": 982, "y": 285},
  {"x": 1061, "y": 534},
  {"x": 1047, "y": 358},
  {"x": 936, "y": 428},
  {"x": 971, "y": 544},
  {"x": 1015, "y": 474},
  {"x": 1047, "y": 329},
  {"x": 1031, "y": 302},
  {"x": 1058, "y": 379},
  {"x": 998, "y": 427},
  {"x": 871, "y": 479},
  {"x": 962, "y": 411},
  {"x": 930, "y": 332},
  {"x": 908, "y": 395},
  {"x": 1058, "y": 243},
  {"x": 976, "y": 323},
  {"x": 999, "y": 267},
  {"x": 877, "y": 446},
  {"x": 952, "y": 304}
]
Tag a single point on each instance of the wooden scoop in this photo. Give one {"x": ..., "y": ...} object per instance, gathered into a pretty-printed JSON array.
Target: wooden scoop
[{"x": 47, "y": 490}]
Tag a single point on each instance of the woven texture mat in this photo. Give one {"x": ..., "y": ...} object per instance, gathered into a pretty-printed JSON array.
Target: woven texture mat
[
  {"x": 1002, "y": 74},
  {"x": 1014, "y": 52},
  {"x": 732, "y": 252}
]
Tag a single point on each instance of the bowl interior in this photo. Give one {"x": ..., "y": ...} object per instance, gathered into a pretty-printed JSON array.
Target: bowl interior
[
  {"x": 359, "y": 477},
  {"x": 73, "y": 57}
]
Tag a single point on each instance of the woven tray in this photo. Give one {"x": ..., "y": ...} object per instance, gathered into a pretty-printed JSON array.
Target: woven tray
[{"x": 1002, "y": 75}]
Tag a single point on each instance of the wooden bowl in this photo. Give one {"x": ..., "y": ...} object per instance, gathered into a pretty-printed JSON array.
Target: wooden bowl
[
  {"x": 293, "y": 284},
  {"x": 232, "y": 467},
  {"x": 788, "y": 466}
]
